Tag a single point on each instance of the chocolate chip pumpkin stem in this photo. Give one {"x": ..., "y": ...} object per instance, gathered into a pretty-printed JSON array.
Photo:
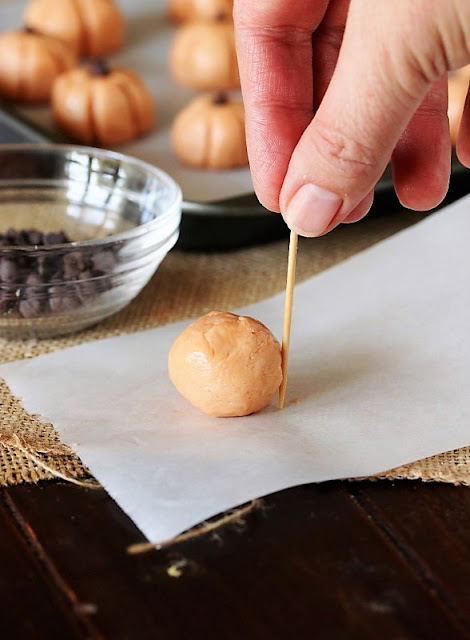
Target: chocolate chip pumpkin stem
[
  {"x": 28, "y": 29},
  {"x": 220, "y": 98},
  {"x": 99, "y": 67},
  {"x": 221, "y": 16}
]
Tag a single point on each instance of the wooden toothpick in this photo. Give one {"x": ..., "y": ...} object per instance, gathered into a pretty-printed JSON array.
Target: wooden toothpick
[{"x": 291, "y": 263}]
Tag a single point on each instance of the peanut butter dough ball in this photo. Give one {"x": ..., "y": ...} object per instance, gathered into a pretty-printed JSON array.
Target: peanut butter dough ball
[{"x": 226, "y": 365}]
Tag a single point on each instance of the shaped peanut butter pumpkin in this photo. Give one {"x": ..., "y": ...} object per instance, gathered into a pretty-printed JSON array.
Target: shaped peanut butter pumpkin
[
  {"x": 99, "y": 105},
  {"x": 186, "y": 10},
  {"x": 203, "y": 55},
  {"x": 91, "y": 27},
  {"x": 30, "y": 64},
  {"x": 210, "y": 133}
]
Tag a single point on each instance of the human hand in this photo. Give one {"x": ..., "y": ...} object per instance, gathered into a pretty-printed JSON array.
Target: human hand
[{"x": 382, "y": 97}]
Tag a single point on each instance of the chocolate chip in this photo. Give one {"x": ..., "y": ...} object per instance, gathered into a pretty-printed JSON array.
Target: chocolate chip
[
  {"x": 46, "y": 266},
  {"x": 34, "y": 280},
  {"x": 87, "y": 288},
  {"x": 74, "y": 263},
  {"x": 55, "y": 238},
  {"x": 30, "y": 307},
  {"x": 103, "y": 260},
  {"x": 34, "y": 237},
  {"x": 35, "y": 289},
  {"x": 63, "y": 298},
  {"x": 22, "y": 238},
  {"x": 102, "y": 280},
  {"x": 12, "y": 236},
  {"x": 8, "y": 270}
]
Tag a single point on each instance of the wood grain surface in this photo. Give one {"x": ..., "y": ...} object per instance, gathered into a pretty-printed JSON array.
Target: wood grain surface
[{"x": 334, "y": 560}]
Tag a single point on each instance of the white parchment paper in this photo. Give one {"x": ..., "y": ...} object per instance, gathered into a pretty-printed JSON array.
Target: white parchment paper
[
  {"x": 148, "y": 43},
  {"x": 379, "y": 371}
]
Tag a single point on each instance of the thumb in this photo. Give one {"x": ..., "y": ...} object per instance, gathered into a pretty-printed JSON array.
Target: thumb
[{"x": 378, "y": 84}]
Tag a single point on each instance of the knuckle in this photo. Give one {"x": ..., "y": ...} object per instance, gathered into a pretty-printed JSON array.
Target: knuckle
[{"x": 347, "y": 155}]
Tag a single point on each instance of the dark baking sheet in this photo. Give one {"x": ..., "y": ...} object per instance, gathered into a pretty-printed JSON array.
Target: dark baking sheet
[{"x": 233, "y": 223}]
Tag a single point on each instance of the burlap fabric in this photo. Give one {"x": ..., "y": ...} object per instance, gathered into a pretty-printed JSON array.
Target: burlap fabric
[{"x": 189, "y": 284}]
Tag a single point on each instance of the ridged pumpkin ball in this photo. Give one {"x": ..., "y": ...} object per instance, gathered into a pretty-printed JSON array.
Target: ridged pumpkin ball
[
  {"x": 30, "y": 63},
  {"x": 209, "y": 133},
  {"x": 102, "y": 106},
  {"x": 91, "y": 27},
  {"x": 203, "y": 56},
  {"x": 186, "y": 10}
]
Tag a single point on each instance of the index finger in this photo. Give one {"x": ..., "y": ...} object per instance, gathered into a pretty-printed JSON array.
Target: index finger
[{"x": 274, "y": 47}]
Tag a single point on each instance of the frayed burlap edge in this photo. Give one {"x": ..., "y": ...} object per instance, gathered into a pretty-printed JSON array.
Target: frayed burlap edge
[
  {"x": 187, "y": 285},
  {"x": 452, "y": 467},
  {"x": 30, "y": 450}
]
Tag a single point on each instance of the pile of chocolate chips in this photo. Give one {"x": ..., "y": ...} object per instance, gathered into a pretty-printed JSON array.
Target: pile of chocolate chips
[{"x": 33, "y": 285}]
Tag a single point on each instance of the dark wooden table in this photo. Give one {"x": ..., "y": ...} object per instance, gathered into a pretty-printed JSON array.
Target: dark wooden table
[{"x": 335, "y": 560}]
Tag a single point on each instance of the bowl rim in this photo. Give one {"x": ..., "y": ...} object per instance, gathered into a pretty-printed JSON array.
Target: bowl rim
[{"x": 135, "y": 232}]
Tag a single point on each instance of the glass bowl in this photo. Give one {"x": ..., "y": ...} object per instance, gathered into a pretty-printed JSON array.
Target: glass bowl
[{"x": 82, "y": 231}]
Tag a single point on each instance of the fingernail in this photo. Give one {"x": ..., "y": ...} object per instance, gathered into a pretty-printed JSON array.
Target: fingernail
[{"x": 311, "y": 209}]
